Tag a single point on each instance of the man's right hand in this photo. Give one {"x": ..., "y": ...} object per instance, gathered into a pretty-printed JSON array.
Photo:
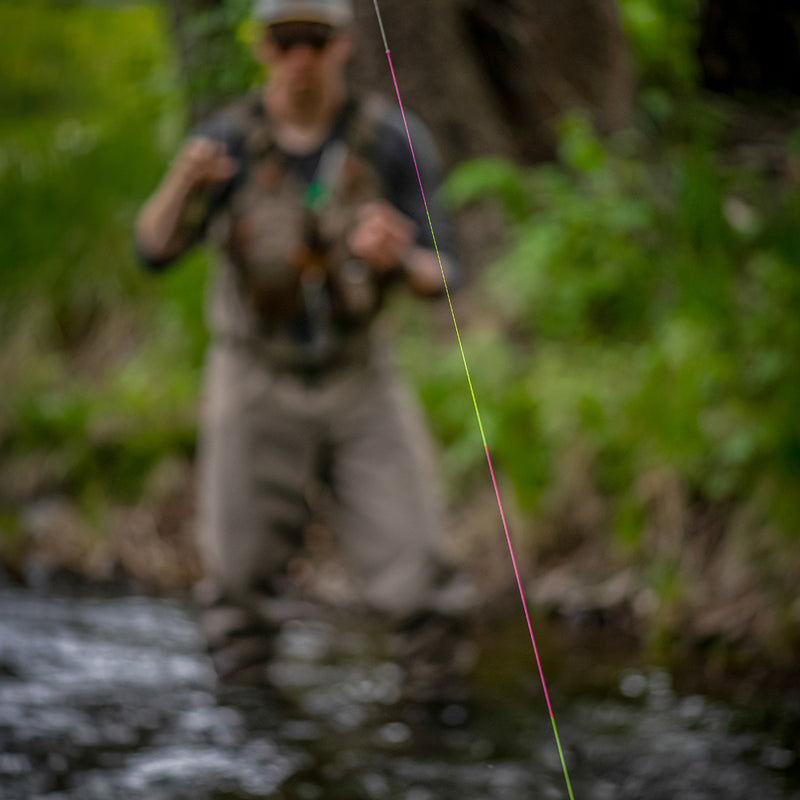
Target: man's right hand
[
  {"x": 161, "y": 226},
  {"x": 201, "y": 162}
]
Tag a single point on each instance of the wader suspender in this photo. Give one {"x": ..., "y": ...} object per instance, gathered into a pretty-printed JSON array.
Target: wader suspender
[{"x": 314, "y": 266}]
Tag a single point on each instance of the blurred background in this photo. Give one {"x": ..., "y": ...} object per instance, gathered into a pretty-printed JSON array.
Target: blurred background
[
  {"x": 625, "y": 180},
  {"x": 625, "y": 177}
]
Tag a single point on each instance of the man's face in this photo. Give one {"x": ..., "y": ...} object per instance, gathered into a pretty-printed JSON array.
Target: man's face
[{"x": 304, "y": 55}]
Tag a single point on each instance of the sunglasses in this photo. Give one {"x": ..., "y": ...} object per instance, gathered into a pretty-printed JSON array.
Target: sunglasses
[{"x": 288, "y": 35}]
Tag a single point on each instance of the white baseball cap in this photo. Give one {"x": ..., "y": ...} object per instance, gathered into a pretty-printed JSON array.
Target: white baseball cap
[{"x": 329, "y": 12}]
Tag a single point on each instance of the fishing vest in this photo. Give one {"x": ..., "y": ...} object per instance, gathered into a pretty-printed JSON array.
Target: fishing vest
[{"x": 288, "y": 282}]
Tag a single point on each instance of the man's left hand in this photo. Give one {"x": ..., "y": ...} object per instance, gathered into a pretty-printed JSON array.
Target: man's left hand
[{"x": 382, "y": 236}]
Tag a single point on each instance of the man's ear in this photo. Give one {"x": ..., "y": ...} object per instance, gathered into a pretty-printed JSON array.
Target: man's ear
[{"x": 345, "y": 43}]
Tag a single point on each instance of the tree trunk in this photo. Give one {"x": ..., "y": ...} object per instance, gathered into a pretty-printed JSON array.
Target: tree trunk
[{"x": 493, "y": 76}]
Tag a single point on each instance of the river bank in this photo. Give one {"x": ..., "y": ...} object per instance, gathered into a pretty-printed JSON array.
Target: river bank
[{"x": 729, "y": 646}]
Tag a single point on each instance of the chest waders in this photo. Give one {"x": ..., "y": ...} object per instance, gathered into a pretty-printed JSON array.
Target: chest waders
[
  {"x": 308, "y": 387},
  {"x": 285, "y": 239}
]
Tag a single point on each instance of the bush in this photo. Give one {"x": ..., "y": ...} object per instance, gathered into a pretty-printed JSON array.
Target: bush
[
  {"x": 648, "y": 309},
  {"x": 100, "y": 364}
]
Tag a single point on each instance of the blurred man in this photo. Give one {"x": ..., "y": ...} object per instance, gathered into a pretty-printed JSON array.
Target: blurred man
[{"x": 308, "y": 195}]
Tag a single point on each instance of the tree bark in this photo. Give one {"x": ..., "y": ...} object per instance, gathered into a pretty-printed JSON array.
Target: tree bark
[{"x": 491, "y": 77}]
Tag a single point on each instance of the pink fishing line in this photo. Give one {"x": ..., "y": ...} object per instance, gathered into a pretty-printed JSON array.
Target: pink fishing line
[{"x": 477, "y": 412}]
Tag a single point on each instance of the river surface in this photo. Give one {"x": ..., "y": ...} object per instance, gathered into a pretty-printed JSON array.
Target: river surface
[{"x": 113, "y": 698}]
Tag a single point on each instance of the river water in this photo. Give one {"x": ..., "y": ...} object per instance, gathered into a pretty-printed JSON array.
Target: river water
[{"x": 113, "y": 698}]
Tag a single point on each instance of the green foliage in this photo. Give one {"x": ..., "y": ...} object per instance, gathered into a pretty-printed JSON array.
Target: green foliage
[
  {"x": 102, "y": 439},
  {"x": 224, "y": 35},
  {"x": 663, "y": 35},
  {"x": 490, "y": 176},
  {"x": 648, "y": 310},
  {"x": 101, "y": 362},
  {"x": 79, "y": 142}
]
